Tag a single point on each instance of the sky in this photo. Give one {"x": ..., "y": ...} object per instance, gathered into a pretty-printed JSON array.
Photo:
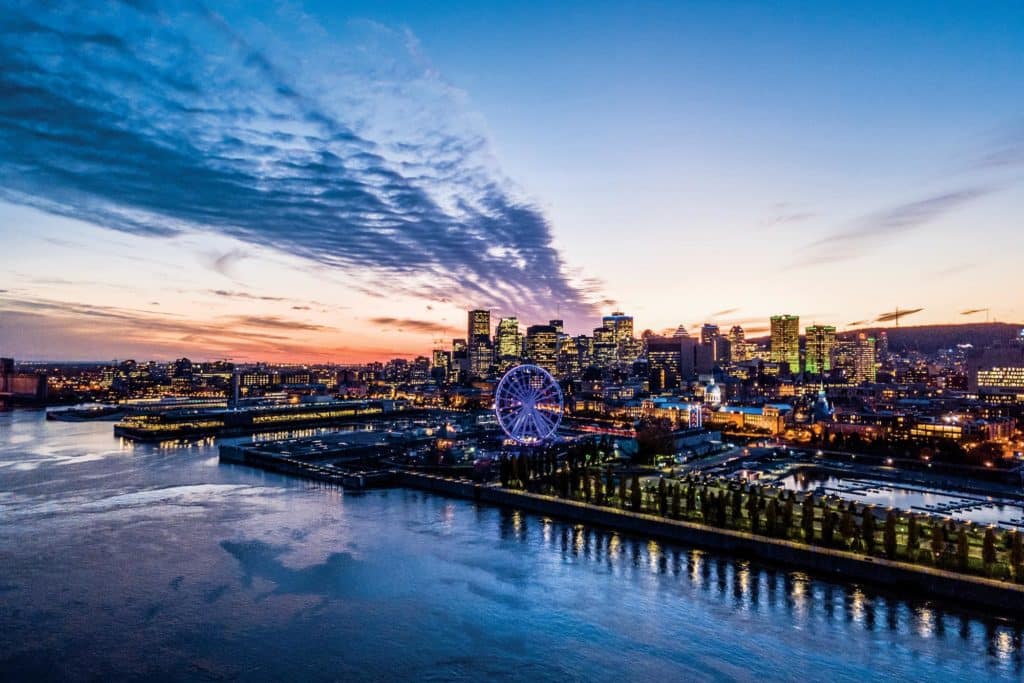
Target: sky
[{"x": 339, "y": 182}]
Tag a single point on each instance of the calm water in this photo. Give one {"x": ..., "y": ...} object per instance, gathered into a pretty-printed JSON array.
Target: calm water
[
  {"x": 961, "y": 506},
  {"x": 153, "y": 563}
]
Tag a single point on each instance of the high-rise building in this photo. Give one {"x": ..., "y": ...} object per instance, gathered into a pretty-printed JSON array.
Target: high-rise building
[
  {"x": 481, "y": 352},
  {"x": 479, "y": 324},
  {"x": 620, "y": 326},
  {"x": 604, "y": 347},
  {"x": 569, "y": 356},
  {"x": 664, "y": 363},
  {"x": 864, "y": 364},
  {"x": 715, "y": 347},
  {"x": 708, "y": 333},
  {"x": 738, "y": 351},
  {"x": 687, "y": 353},
  {"x": 441, "y": 366},
  {"x": 419, "y": 369},
  {"x": 541, "y": 346},
  {"x": 821, "y": 345},
  {"x": 786, "y": 341},
  {"x": 508, "y": 343},
  {"x": 585, "y": 349},
  {"x": 460, "y": 359}
]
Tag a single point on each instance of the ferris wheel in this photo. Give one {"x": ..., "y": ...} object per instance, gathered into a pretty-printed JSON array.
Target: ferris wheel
[{"x": 528, "y": 403}]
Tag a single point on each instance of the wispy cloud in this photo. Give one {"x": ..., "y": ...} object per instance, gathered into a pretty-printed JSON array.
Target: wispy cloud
[
  {"x": 244, "y": 295},
  {"x": 854, "y": 241},
  {"x": 163, "y": 122},
  {"x": 47, "y": 326},
  {"x": 225, "y": 263},
  {"x": 413, "y": 325},
  {"x": 1006, "y": 150},
  {"x": 787, "y": 213},
  {"x": 897, "y": 315}
]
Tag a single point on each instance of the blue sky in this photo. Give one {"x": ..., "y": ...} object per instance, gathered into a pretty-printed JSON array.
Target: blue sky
[{"x": 341, "y": 180}]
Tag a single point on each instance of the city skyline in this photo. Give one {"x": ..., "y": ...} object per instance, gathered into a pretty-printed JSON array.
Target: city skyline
[{"x": 304, "y": 183}]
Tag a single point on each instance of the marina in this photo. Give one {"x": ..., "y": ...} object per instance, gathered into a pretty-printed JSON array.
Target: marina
[{"x": 980, "y": 509}]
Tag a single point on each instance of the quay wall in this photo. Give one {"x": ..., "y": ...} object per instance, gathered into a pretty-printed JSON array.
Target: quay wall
[{"x": 963, "y": 589}]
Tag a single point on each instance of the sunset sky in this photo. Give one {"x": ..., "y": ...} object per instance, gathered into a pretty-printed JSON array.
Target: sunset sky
[{"x": 330, "y": 181}]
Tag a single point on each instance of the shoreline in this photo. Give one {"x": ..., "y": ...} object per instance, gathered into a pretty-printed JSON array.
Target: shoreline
[{"x": 964, "y": 589}]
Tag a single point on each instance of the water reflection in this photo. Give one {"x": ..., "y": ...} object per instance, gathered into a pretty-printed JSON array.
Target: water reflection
[
  {"x": 247, "y": 574},
  {"x": 746, "y": 586}
]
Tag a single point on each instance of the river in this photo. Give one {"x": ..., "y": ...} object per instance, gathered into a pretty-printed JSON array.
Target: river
[{"x": 141, "y": 562}]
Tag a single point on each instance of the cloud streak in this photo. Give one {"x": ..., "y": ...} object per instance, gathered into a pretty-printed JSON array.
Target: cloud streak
[
  {"x": 896, "y": 315},
  {"x": 412, "y": 325},
  {"x": 48, "y": 327},
  {"x": 852, "y": 242},
  {"x": 159, "y": 123}
]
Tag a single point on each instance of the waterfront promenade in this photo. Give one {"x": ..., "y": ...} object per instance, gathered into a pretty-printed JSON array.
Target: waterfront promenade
[{"x": 1003, "y": 595}]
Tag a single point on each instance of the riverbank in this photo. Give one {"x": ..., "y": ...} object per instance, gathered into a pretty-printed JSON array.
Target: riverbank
[
  {"x": 962, "y": 589},
  {"x": 848, "y": 564}
]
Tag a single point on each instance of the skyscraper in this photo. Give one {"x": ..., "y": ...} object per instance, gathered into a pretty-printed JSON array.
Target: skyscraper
[
  {"x": 709, "y": 333},
  {"x": 865, "y": 369},
  {"x": 786, "y": 341},
  {"x": 481, "y": 353},
  {"x": 821, "y": 344},
  {"x": 508, "y": 343},
  {"x": 620, "y": 327},
  {"x": 479, "y": 324},
  {"x": 737, "y": 344},
  {"x": 664, "y": 362},
  {"x": 604, "y": 347},
  {"x": 541, "y": 346},
  {"x": 716, "y": 346},
  {"x": 568, "y": 356}
]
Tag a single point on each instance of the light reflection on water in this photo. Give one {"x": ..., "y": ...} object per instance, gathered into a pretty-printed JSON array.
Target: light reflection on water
[
  {"x": 974, "y": 507},
  {"x": 149, "y": 561}
]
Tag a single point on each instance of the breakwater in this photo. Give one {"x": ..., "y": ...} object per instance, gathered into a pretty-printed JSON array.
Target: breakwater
[{"x": 962, "y": 589}]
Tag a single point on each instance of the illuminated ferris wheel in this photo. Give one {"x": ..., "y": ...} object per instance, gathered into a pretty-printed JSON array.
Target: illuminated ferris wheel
[{"x": 528, "y": 403}]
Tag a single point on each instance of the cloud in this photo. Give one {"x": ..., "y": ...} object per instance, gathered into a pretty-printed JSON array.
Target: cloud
[
  {"x": 225, "y": 263},
  {"x": 244, "y": 295},
  {"x": 852, "y": 242},
  {"x": 727, "y": 311},
  {"x": 275, "y": 323},
  {"x": 972, "y": 311},
  {"x": 786, "y": 213},
  {"x": 43, "y": 328},
  {"x": 159, "y": 123},
  {"x": 1005, "y": 150},
  {"x": 896, "y": 315},
  {"x": 411, "y": 325}
]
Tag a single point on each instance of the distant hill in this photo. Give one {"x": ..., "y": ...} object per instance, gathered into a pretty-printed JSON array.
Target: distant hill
[{"x": 931, "y": 338}]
